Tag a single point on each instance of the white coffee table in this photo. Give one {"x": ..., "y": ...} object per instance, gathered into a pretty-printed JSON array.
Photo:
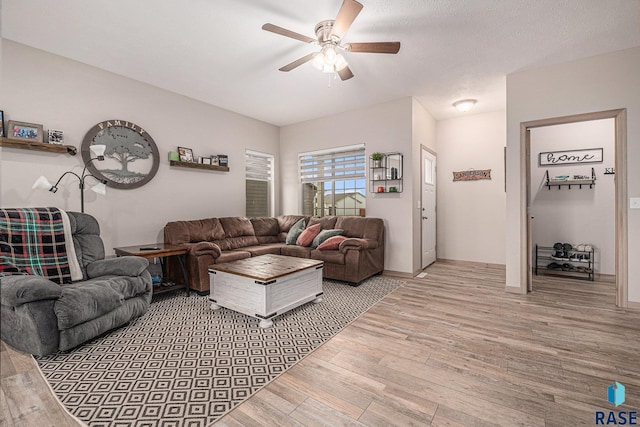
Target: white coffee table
[{"x": 265, "y": 286}]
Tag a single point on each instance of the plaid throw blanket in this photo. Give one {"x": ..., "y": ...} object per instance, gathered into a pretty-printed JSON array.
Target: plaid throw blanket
[{"x": 32, "y": 241}]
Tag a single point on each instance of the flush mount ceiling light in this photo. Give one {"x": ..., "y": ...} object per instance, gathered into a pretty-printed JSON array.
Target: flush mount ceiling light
[{"x": 465, "y": 105}]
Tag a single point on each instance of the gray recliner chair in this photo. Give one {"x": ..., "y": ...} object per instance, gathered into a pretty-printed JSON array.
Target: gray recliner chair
[{"x": 41, "y": 317}]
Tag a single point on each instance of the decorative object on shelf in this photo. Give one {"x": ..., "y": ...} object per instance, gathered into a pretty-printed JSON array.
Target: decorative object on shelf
[
  {"x": 393, "y": 189},
  {"x": 214, "y": 160},
  {"x": 377, "y": 159},
  {"x": 1, "y": 123},
  {"x": 25, "y": 131},
  {"x": 577, "y": 179},
  {"x": 42, "y": 183},
  {"x": 56, "y": 137},
  {"x": 186, "y": 154},
  {"x": 173, "y": 155},
  {"x": 588, "y": 155},
  {"x": 472, "y": 175},
  {"x": 205, "y": 160},
  {"x": 223, "y": 160},
  {"x": 380, "y": 189},
  {"x": 131, "y": 154}
]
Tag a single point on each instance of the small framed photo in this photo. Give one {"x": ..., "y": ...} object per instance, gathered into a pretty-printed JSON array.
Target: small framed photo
[
  {"x": 186, "y": 154},
  {"x": 1, "y": 123},
  {"x": 25, "y": 131},
  {"x": 205, "y": 160},
  {"x": 214, "y": 160},
  {"x": 56, "y": 136}
]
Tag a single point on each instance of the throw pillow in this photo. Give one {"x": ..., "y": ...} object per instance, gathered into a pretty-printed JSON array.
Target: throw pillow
[
  {"x": 307, "y": 236},
  {"x": 324, "y": 235},
  {"x": 332, "y": 243},
  {"x": 294, "y": 232}
]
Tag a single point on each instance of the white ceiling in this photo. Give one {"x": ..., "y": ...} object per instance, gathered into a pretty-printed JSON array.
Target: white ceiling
[{"x": 215, "y": 50}]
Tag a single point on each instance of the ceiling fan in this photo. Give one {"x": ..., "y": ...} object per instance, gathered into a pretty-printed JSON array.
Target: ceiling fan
[{"x": 329, "y": 37}]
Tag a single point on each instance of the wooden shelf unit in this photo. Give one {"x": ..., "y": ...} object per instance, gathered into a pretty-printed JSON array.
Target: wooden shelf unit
[
  {"x": 38, "y": 146},
  {"x": 194, "y": 165}
]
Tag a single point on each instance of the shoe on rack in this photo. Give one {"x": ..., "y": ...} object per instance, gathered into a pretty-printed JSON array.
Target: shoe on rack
[
  {"x": 574, "y": 257},
  {"x": 566, "y": 247},
  {"x": 554, "y": 266},
  {"x": 567, "y": 267},
  {"x": 557, "y": 246}
]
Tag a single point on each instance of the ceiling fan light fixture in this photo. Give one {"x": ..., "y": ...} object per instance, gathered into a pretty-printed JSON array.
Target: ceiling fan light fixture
[
  {"x": 318, "y": 61},
  {"x": 465, "y": 105},
  {"x": 330, "y": 55},
  {"x": 340, "y": 63}
]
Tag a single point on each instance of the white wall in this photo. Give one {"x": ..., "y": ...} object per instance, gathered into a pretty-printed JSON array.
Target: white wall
[
  {"x": 39, "y": 87},
  {"x": 385, "y": 127},
  {"x": 471, "y": 214},
  {"x": 599, "y": 83},
  {"x": 575, "y": 215}
]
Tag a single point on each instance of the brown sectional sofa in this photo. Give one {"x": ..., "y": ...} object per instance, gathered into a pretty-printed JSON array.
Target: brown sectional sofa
[{"x": 218, "y": 240}]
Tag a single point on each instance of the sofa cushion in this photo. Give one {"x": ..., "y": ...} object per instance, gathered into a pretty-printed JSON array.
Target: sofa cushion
[
  {"x": 238, "y": 233},
  {"x": 296, "y": 251},
  {"x": 270, "y": 248},
  {"x": 227, "y": 256},
  {"x": 307, "y": 236},
  {"x": 84, "y": 301},
  {"x": 324, "y": 235},
  {"x": 330, "y": 257},
  {"x": 199, "y": 230},
  {"x": 294, "y": 232},
  {"x": 266, "y": 229},
  {"x": 332, "y": 243},
  {"x": 326, "y": 222}
]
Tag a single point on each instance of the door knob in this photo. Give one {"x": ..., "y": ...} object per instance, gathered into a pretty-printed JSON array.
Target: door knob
[{"x": 425, "y": 217}]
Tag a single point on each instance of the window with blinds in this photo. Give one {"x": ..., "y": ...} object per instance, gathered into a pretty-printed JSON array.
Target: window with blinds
[
  {"x": 333, "y": 181},
  {"x": 258, "y": 184}
]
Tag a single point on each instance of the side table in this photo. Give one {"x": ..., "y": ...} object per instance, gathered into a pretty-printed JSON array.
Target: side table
[{"x": 161, "y": 251}]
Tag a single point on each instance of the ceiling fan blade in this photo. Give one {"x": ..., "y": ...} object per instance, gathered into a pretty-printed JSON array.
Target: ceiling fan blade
[
  {"x": 297, "y": 62},
  {"x": 374, "y": 47},
  {"x": 347, "y": 14},
  {"x": 287, "y": 33},
  {"x": 345, "y": 73}
]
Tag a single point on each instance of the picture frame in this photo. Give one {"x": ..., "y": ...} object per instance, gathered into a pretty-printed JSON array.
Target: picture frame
[
  {"x": 205, "y": 160},
  {"x": 186, "y": 154},
  {"x": 56, "y": 136},
  {"x": 24, "y": 131},
  {"x": 1, "y": 123},
  {"x": 214, "y": 160}
]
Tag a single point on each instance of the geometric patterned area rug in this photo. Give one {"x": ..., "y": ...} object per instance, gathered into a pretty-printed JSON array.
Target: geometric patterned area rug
[{"x": 183, "y": 364}]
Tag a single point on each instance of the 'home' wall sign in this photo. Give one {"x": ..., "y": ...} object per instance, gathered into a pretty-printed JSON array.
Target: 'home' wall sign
[{"x": 590, "y": 155}]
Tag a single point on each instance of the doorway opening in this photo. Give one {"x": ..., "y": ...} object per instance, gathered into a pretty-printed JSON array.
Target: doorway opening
[
  {"x": 428, "y": 206},
  {"x": 620, "y": 196}
]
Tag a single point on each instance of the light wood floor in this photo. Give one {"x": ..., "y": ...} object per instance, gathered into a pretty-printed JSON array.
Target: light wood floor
[{"x": 452, "y": 349}]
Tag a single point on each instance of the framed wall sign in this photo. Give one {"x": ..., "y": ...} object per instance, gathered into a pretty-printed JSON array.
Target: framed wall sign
[
  {"x": 589, "y": 155},
  {"x": 131, "y": 154},
  {"x": 24, "y": 131}
]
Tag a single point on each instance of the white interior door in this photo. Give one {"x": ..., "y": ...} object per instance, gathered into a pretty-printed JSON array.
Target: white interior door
[{"x": 428, "y": 205}]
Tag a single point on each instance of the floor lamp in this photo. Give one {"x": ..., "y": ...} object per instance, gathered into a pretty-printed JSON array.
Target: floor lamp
[{"x": 43, "y": 183}]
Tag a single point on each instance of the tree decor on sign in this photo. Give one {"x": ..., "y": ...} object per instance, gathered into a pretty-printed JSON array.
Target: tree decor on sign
[
  {"x": 131, "y": 153},
  {"x": 472, "y": 175}
]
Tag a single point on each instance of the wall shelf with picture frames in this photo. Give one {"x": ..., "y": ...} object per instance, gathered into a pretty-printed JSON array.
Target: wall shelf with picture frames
[{"x": 386, "y": 173}]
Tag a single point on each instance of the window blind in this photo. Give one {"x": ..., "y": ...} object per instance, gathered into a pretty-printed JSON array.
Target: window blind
[
  {"x": 337, "y": 164},
  {"x": 258, "y": 166}
]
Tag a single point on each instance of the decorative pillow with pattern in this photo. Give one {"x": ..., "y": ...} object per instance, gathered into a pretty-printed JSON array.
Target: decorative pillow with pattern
[
  {"x": 307, "y": 236},
  {"x": 332, "y": 243},
  {"x": 294, "y": 232}
]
